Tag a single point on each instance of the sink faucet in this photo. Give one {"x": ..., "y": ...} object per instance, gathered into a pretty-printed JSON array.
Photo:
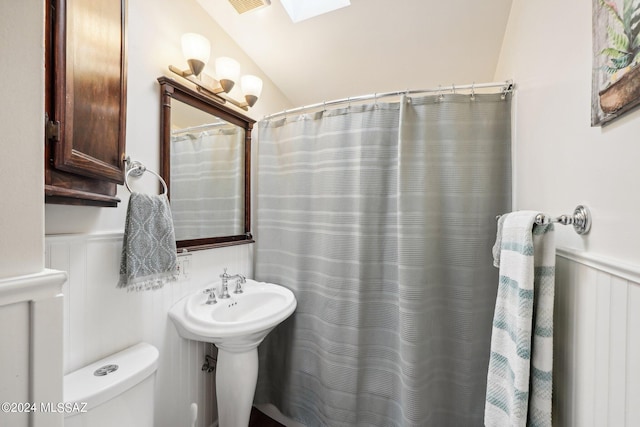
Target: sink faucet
[{"x": 224, "y": 292}]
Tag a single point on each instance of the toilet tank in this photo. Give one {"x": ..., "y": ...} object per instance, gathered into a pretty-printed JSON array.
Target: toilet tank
[{"x": 101, "y": 395}]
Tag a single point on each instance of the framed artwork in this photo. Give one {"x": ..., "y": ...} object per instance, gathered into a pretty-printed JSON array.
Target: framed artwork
[{"x": 616, "y": 59}]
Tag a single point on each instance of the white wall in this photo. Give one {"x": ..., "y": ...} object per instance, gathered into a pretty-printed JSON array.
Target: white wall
[
  {"x": 560, "y": 162},
  {"x": 22, "y": 140}
]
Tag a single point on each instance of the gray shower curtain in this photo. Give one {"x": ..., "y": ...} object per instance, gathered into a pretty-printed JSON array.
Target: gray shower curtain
[{"x": 381, "y": 219}]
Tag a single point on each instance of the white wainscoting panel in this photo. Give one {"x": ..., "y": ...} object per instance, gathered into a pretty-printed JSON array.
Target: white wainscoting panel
[
  {"x": 100, "y": 319},
  {"x": 31, "y": 350},
  {"x": 14, "y": 376},
  {"x": 597, "y": 342}
]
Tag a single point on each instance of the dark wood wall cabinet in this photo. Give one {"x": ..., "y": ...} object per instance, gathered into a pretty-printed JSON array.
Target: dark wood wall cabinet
[{"x": 85, "y": 101}]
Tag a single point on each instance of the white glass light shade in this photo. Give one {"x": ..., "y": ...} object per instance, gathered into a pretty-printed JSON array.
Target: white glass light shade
[
  {"x": 251, "y": 88},
  {"x": 227, "y": 69},
  {"x": 251, "y": 85},
  {"x": 196, "y": 50}
]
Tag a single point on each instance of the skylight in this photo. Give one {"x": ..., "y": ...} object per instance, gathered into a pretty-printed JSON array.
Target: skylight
[{"x": 299, "y": 10}]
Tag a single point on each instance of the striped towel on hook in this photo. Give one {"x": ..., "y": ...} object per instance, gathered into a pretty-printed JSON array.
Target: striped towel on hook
[{"x": 519, "y": 380}]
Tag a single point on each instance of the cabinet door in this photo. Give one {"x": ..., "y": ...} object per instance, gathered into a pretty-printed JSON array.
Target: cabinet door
[{"x": 88, "y": 97}]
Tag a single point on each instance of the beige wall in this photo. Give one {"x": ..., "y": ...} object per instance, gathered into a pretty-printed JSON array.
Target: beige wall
[{"x": 22, "y": 140}]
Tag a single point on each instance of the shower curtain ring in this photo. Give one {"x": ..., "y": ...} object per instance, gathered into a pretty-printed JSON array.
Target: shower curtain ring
[
  {"x": 440, "y": 95},
  {"x": 473, "y": 91},
  {"x": 453, "y": 85},
  {"x": 506, "y": 89}
]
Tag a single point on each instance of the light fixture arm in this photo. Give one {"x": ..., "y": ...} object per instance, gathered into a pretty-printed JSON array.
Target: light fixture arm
[{"x": 213, "y": 90}]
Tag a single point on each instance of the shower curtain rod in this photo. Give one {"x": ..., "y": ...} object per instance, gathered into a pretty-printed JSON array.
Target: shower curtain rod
[
  {"x": 198, "y": 127},
  {"x": 506, "y": 87}
]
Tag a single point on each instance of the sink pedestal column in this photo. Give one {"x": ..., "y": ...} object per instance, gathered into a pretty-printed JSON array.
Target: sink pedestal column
[{"x": 236, "y": 376}]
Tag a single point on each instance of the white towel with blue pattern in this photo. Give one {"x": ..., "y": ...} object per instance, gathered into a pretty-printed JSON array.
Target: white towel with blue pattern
[{"x": 519, "y": 380}]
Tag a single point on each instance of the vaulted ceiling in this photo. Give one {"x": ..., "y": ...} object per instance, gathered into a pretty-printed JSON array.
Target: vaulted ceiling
[{"x": 371, "y": 46}]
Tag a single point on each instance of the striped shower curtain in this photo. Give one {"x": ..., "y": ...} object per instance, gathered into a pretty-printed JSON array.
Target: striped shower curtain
[{"x": 381, "y": 219}]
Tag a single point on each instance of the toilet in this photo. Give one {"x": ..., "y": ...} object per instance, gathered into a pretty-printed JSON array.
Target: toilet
[{"x": 115, "y": 391}]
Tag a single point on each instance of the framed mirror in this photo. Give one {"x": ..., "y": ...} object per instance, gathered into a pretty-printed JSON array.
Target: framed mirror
[{"x": 205, "y": 156}]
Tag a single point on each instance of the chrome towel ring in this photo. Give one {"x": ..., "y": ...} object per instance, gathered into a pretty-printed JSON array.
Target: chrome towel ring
[{"x": 136, "y": 169}]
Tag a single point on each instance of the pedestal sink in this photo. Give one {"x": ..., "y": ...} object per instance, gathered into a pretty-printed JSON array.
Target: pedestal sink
[{"x": 236, "y": 325}]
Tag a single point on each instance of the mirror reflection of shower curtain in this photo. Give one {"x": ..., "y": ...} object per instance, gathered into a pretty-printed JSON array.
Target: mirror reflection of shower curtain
[
  {"x": 207, "y": 183},
  {"x": 381, "y": 219}
]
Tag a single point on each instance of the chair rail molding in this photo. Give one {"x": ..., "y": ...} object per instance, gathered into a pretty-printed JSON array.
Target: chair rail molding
[{"x": 612, "y": 266}]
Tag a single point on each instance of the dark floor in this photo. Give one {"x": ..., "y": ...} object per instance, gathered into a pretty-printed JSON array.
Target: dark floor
[{"x": 258, "y": 419}]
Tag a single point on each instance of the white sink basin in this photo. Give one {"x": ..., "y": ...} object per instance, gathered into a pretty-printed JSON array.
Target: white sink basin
[
  {"x": 237, "y": 322},
  {"x": 236, "y": 326}
]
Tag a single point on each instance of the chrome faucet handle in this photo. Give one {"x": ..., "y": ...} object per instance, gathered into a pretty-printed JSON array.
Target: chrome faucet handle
[
  {"x": 241, "y": 280},
  {"x": 212, "y": 296}
]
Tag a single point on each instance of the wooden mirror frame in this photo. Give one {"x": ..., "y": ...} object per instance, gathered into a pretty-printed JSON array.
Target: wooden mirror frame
[{"x": 171, "y": 89}]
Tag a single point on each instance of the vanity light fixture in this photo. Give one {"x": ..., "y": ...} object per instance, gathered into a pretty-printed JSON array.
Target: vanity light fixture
[{"x": 196, "y": 49}]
